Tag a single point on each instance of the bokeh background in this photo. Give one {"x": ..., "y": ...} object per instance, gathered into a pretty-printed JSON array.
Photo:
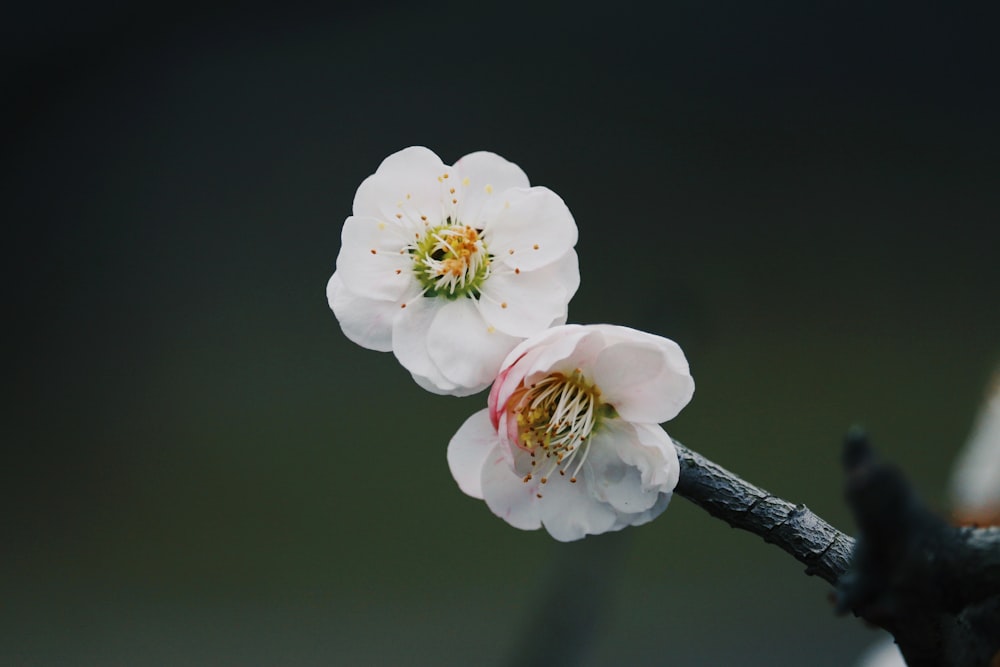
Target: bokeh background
[{"x": 200, "y": 469}]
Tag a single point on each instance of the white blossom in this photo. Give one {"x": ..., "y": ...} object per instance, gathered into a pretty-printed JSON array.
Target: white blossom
[
  {"x": 450, "y": 267},
  {"x": 570, "y": 438}
]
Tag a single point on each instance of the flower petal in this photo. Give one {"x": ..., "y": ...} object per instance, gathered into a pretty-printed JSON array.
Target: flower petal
[
  {"x": 409, "y": 344},
  {"x": 468, "y": 451},
  {"x": 645, "y": 377},
  {"x": 639, "y": 518},
  {"x": 508, "y": 495},
  {"x": 534, "y": 223},
  {"x": 482, "y": 176},
  {"x": 613, "y": 480},
  {"x": 466, "y": 349},
  {"x": 571, "y": 511},
  {"x": 367, "y": 322},
  {"x": 523, "y": 303},
  {"x": 655, "y": 456},
  {"x": 406, "y": 182},
  {"x": 372, "y": 261}
]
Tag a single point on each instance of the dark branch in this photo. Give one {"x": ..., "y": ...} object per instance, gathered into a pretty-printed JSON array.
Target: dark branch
[
  {"x": 824, "y": 550},
  {"x": 934, "y": 586}
]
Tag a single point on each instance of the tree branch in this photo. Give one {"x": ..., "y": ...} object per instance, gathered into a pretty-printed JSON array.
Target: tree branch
[
  {"x": 934, "y": 586},
  {"x": 824, "y": 550}
]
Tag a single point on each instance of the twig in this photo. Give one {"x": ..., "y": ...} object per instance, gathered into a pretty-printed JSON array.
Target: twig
[{"x": 824, "y": 550}]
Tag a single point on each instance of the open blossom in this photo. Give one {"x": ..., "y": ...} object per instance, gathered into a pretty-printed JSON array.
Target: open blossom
[
  {"x": 570, "y": 439},
  {"x": 451, "y": 267}
]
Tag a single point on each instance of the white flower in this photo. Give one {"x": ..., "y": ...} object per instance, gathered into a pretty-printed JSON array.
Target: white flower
[
  {"x": 570, "y": 439},
  {"x": 451, "y": 267}
]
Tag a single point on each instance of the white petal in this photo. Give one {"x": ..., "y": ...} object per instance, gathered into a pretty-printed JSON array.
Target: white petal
[
  {"x": 464, "y": 347},
  {"x": 367, "y": 322},
  {"x": 649, "y": 449},
  {"x": 587, "y": 344},
  {"x": 645, "y": 377},
  {"x": 639, "y": 518},
  {"x": 571, "y": 511},
  {"x": 483, "y": 176},
  {"x": 373, "y": 262},
  {"x": 409, "y": 344},
  {"x": 534, "y": 223},
  {"x": 468, "y": 451},
  {"x": 617, "y": 482},
  {"x": 508, "y": 495},
  {"x": 406, "y": 182},
  {"x": 525, "y": 302}
]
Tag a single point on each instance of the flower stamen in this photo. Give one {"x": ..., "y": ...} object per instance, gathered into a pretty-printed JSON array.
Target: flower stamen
[
  {"x": 451, "y": 260},
  {"x": 555, "y": 418}
]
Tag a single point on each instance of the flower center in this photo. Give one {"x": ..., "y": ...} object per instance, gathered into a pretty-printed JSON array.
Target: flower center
[
  {"x": 450, "y": 260},
  {"x": 555, "y": 417}
]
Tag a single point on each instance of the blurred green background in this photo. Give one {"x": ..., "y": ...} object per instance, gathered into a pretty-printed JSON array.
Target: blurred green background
[{"x": 200, "y": 469}]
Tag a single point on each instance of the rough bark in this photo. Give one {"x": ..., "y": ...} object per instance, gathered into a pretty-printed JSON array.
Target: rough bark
[{"x": 824, "y": 550}]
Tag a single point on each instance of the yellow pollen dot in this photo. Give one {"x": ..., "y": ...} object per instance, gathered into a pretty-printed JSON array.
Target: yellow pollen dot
[
  {"x": 407, "y": 195},
  {"x": 465, "y": 181},
  {"x": 535, "y": 246},
  {"x": 544, "y": 480},
  {"x": 491, "y": 329},
  {"x": 424, "y": 218},
  {"x": 489, "y": 189},
  {"x": 503, "y": 305},
  {"x": 506, "y": 204},
  {"x": 402, "y": 252},
  {"x": 454, "y": 201},
  {"x": 381, "y": 225},
  {"x": 510, "y": 252},
  {"x": 399, "y": 216},
  {"x": 444, "y": 175},
  {"x": 452, "y": 190}
]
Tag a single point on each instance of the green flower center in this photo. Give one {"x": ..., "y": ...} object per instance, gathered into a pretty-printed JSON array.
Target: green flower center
[{"x": 451, "y": 260}]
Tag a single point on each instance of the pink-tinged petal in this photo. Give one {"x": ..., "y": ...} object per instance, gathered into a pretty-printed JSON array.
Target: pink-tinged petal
[
  {"x": 534, "y": 223},
  {"x": 522, "y": 303},
  {"x": 612, "y": 480},
  {"x": 483, "y": 176},
  {"x": 571, "y": 511},
  {"x": 409, "y": 344},
  {"x": 468, "y": 451},
  {"x": 645, "y": 377},
  {"x": 464, "y": 347},
  {"x": 405, "y": 183},
  {"x": 373, "y": 262},
  {"x": 367, "y": 322},
  {"x": 508, "y": 495},
  {"x": 494, "y": 407}
]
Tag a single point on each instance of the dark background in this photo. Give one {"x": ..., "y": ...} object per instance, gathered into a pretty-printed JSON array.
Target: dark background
[{"x": 200, "y": 469}]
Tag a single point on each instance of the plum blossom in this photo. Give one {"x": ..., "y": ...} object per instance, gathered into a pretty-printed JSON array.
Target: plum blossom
[
  {"x": 570, "y": 439},
  {"x": 450, "y": 267}
]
